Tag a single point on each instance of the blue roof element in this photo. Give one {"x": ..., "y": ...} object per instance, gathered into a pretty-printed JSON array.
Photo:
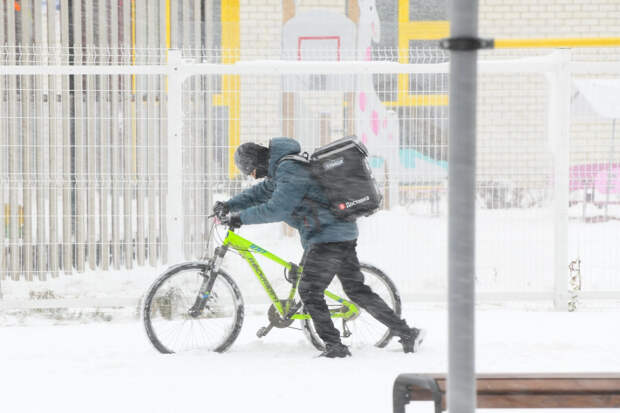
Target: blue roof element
[{"x": 408, "y": 158}]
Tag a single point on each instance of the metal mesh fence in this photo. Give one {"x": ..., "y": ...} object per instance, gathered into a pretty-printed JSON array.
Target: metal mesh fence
[{"x": 84, "y": 157}]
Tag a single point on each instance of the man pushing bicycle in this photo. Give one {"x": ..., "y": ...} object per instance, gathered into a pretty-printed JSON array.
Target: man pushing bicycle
[{"x": 292, "y": 194}]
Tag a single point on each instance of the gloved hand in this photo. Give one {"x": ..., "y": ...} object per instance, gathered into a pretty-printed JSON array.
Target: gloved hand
[
  {"x": 221, "y": 209},
  {"x": 233, "y": 221}
]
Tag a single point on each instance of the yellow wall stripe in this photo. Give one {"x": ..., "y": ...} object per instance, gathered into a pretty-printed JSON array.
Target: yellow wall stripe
[
  {"x": 403, "y": 12},
  {"x": 424, "y": 30},
  {"x": 230, "y": 18},
  {"x": 231, "y": 45},
  {"x": 416, "y": 30},
  {"x": 419, "y": 100},
  {"x": 551, "y": 43},
  {"x": 167, "y": 24}
]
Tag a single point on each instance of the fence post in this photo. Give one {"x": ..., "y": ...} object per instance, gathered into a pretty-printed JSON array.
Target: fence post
[
  {"x": 559, "y": 121},
  {"x": 174, "y": 195}
]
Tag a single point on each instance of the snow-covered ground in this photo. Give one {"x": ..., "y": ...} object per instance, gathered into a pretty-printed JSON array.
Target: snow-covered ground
[
  {"x": 76, "y": 362},
  {"x": 111, "y": 366}
]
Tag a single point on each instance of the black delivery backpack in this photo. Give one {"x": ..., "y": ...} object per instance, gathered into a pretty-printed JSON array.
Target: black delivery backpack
[{"x": 343, "y": 171}]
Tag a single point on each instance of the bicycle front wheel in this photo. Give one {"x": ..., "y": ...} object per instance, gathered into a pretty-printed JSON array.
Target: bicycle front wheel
[
  {"x": 361, "y": 330},
  {"x": 170, "y": 317}
]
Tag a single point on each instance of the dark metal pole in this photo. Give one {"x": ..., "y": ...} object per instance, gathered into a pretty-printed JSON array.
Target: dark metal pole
[{"x": 461, "y": 394}]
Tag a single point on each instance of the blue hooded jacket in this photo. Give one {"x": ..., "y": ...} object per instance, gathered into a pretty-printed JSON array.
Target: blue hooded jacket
[{"x": 291, "y": 194}]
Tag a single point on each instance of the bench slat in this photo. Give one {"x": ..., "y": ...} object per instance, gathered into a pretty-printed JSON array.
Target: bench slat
[
  {"x": 547, "y": 401},
  {"x": 591, "y": 390},
  {"x": 543, "y": 385}
]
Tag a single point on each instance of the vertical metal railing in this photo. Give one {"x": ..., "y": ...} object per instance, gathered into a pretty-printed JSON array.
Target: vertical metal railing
[
  {"x": 141, "y": 132},
  {"x": 77, "y": 175},
  {"x": 91, "y": 167},
  {"x": 3, "y": 157},
  {"x": 41, "y": 177},
  {"x": 13, "y": 172},
  {"x": 115, "y": 141},
  {"x": 53, "y": 141},
  {"x": 105, "y": 143},
  {"x": 188, "y": 210},
  {"x": 152, "y": 132},
  {"x": 199, "y": 133},
  {"x": 164, "y": 25},
  {"x": 25, "y": 87},
  {"x": 127, "y": 140},
  {"x": 67, "y": 206},
  {"x": 209, "y": 113},
  {"x": 84, "y": 155}
]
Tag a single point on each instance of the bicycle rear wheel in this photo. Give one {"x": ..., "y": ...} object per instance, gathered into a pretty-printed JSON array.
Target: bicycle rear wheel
[
  {"x": 173, "y": 328},
  {"x": 362, "y": 330}
]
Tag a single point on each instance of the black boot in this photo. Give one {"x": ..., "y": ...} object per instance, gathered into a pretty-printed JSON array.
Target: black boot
[
  {"x": 411, "y": 339},
  {"x": 338, "y": 350}
]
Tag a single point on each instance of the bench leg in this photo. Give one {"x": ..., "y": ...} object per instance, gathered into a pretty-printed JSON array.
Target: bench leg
[{"x": 407, "y": 384}]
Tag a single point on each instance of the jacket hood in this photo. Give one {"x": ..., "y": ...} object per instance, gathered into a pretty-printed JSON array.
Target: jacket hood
[{"x": 279, "y": 148}]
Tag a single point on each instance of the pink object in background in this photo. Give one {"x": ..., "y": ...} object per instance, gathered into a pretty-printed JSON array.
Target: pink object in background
[
  {"x": 362, "y": 102},
  {"x": 586, "y": 176},
  {"x": 601, "y": 181},
  {"x": 375, "y": 122}
]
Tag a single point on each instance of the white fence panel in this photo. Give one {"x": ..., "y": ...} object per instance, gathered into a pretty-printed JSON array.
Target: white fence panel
[{"x": 523, "y": 173}]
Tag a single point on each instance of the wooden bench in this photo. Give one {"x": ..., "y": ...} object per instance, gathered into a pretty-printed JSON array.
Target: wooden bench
[{"x": 505, "y": 391}]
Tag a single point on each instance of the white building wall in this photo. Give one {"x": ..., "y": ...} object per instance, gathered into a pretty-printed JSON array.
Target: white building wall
[
  {"x": 553, "y": 18},
  {"x": 590, "y": 141},
  {"x": 260, "y": 27},
  {"x": 519, "y": 102},
  {"x": 261, "y": 99}
]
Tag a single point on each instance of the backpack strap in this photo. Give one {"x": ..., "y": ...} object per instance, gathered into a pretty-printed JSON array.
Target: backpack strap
[
  {"x": 299, "y": 158},
  {"x": 304, "y": 158}
]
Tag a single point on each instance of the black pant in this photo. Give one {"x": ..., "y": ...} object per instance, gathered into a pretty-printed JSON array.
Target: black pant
[{"x": 321, "y": 263}]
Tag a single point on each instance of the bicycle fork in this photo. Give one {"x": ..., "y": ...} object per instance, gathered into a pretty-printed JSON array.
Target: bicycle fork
[{"x": 209, "y": 275}]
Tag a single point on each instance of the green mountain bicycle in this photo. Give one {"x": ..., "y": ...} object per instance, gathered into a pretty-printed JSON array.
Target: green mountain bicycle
[{"x": 198, "y": 305}]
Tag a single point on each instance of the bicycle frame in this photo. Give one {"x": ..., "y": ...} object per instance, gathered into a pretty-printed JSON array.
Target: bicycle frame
[{"x": 246, "y": 248}]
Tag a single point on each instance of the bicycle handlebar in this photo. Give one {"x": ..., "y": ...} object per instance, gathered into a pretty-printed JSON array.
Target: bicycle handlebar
[{"x": 221, "y": 221}]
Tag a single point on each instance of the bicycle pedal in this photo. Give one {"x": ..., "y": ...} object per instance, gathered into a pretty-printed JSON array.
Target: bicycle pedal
[{"x": 262, "y": 332}]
